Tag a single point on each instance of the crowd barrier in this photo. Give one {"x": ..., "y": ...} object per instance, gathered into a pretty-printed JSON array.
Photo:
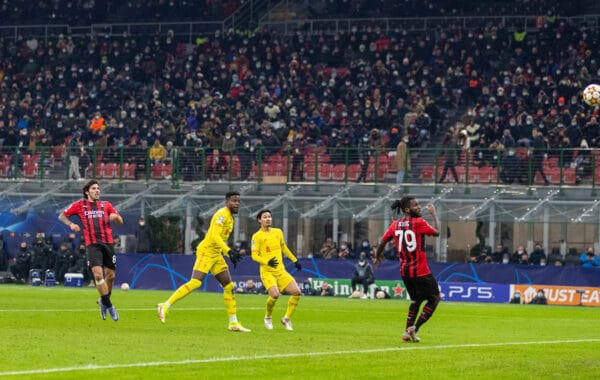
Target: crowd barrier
[{"x": 515, "y": 166}]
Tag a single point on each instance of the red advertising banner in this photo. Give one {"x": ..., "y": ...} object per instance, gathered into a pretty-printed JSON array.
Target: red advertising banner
[{"x": 559, "y": 295}]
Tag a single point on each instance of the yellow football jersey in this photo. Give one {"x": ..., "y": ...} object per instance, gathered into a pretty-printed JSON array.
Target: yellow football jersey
[
  {"x": 221, "y": 226},
  {"x": 270, "y": 244}
]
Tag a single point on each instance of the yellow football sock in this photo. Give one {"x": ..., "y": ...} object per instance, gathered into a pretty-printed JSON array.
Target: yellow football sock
[
  {"x": 184, "y": 290},
  {"x": 270, "y": 305},
  {"x": 229, "y": 299},
  {"x": 292, "y": 305}
]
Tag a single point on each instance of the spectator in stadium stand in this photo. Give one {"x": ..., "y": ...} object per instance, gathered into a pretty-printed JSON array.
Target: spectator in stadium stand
[
  {"x": 498, "y": 252},
  {"x": 297, "y": 150},
  {"x": 450, "y": 153},
  {"x": 328, "y": 249},
  {"x": 516, "y": 256},
  {"x": 539, "y": 149},
  {"x": 401, "y": 161},
  {"x": 537, "y": 255},
  {"x": 157, "y": 152},
  {"x": 344, "y": 251},
  {"x": 364, "y": 155},
  {"x": 589, "y": 259}
]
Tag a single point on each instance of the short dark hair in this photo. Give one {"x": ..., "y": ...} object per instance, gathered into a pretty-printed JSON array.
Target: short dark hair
[
  {"x": 230, "y": 194},
  {"x": 259, "y": 215},
  {"x": 87, "y": 186}
]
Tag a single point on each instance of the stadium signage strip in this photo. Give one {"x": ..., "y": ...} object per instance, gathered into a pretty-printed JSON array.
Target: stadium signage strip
[{"x": 94, "y": 367}]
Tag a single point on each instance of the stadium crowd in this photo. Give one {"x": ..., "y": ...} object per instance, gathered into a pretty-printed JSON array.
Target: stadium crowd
[
  {"x": 235, "y": 91},
  {"x": 242, "y": 92},
  {"x": 87, "y": 12}
]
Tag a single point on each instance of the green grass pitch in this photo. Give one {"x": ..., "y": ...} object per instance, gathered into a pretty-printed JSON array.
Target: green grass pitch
[{"x": 57, "y": 333}]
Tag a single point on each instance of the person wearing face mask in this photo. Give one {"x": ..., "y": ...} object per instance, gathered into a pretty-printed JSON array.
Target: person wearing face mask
[
  {"x": 63, "y": 261},
  {"x": 77, "y": 264},
  {"x": 142, "y": 237},
  {"x": 336, "y": 155},
  {"x": 539, "y": 299},
  {"x": 363, "y": 275},
  {"x": 20, "y": 270},
  {"x": 498, "y": 253},
  {"x": 516, "y": 298},
  {"x": 364, "y": 246},
  {"x": 589, "y": 259},
  {"x": 516, "y": 256},
  {"x": 344, "y": 251},
  {"x": 537, "y": 255}
]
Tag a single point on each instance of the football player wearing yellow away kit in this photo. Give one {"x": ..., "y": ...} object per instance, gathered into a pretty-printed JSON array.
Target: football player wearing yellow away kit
[
  {"x": 267, "y": 248},
  {"x": 210, "y": 258}
]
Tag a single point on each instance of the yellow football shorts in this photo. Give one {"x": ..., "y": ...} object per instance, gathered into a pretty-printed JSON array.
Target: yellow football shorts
[
  {"x": 210, "y": 262},
  {"x": 280, "y": 279}
]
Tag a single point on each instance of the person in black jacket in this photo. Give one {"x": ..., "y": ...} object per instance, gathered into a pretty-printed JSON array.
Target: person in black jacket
[
  {"x": 539, "y": 148},
  {"x": 3, "y": 255},
  {"x": 23, "y": 263},
  {"x": 63, "y": 261},
  {"x": 539, "y": 299},
  {"x": 363, "y": 274}
]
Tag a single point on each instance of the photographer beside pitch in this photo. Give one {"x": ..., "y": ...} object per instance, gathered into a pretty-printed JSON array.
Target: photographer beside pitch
[
  {"x": 96, "y": 215},
  {"x": 408, "y": 234}
]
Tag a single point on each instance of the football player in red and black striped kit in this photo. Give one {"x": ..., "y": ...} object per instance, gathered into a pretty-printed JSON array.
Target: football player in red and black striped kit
[
  {"x": 95, "y": 216},
  {"x": 409, "y": 234}
]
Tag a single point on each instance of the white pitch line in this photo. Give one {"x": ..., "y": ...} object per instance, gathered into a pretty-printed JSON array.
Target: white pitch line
[
  {"x": 93, "y": 367},
  {"x": 120, "y": 309}
]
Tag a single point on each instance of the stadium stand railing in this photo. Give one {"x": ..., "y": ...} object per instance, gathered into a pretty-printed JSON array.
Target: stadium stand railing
[
  {"x": 488, "y": 167},
  {"x": 189, "y": 31}
]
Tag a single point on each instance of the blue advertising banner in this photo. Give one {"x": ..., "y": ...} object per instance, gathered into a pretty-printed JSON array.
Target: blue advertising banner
[
  {"x": 169, "y": 271},
  {"x": 472, "y": 292}
]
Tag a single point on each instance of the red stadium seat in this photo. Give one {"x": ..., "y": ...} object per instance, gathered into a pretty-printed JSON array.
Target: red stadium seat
[
  {"x": 157, "y": 171},
  {"x": 338, "y": 172},
  {"x": 128, "y": 171},
  {"x": 427, "y": 173},
  {"x": 325, "y": 172}
]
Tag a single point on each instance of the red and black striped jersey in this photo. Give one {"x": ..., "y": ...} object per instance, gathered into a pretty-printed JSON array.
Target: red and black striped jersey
[
  {"x": 409, "y": 235},
  {"x": 95, "y": 219}
]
